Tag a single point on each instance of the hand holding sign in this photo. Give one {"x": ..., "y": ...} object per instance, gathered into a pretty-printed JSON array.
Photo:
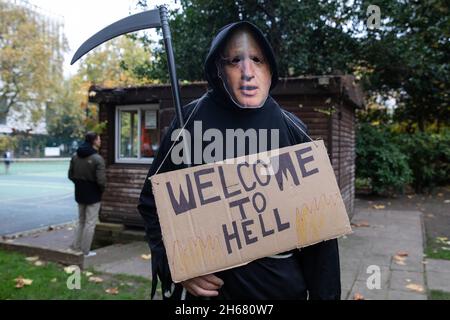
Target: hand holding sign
[{"x": 204, "y": 286}]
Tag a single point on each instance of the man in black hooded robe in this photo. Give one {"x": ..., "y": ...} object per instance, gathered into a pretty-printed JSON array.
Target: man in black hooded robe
[{"x": 241, "y": 70}]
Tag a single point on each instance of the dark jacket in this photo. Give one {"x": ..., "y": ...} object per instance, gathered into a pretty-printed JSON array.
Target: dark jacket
[
  {"x": 87, "y": 171},
  {"x": 312, "y": 271}
]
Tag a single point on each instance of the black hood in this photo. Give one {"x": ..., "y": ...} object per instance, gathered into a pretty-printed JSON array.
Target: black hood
[
  {"x": 218, "y": 43},
  {"x": 86, "y": 150}
]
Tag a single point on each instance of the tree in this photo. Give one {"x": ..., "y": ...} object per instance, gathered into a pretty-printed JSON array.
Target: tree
[
  {"x": 65, "y": 118},
  {"x": 114, "y": 64},
  {"x": 305, "y": 35},
  {"x": 407, "y": 57},
  {"x": 31, "y": 60}
]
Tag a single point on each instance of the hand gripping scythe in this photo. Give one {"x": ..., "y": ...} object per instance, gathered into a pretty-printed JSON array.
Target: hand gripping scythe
[{"x": 156, "y": 18}]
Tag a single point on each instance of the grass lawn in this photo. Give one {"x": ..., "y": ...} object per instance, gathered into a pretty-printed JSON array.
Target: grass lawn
[
  {"x": 49, "y": 281},
  {"x": 438, "y": 248},
  {"x": 439, "y": 295}
]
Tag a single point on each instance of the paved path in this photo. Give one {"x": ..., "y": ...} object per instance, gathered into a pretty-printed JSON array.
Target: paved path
[
  {"x": 391, "y": 241},
  {"x": 438, "y": 275},
  {"x": 132, "y": 259}
]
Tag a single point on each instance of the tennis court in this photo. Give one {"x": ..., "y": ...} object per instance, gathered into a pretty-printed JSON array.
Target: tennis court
[{"x": 35, "y": 194}]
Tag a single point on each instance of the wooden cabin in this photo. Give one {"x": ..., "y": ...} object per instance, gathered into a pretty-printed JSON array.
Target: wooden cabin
[{"x": 137, "y": 118}]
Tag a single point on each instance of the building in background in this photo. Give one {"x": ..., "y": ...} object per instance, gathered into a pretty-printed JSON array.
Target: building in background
[{"x": 138, "y": 117}]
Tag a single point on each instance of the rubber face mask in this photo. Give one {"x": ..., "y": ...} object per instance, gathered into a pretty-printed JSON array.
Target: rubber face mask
[{"x": 244, "y": 70}]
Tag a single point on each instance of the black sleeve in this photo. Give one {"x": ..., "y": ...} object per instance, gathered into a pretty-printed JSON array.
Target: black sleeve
[
  {"x": 70, "y": 172},
  {"x": 321, "y": 269},
  {"x": 147, "y": 209},
  {"x": 320, "y": 262},
  {"x": 298, "y": 130}
]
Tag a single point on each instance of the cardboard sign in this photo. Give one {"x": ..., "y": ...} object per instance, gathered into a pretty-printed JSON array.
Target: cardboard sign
[{"x": 218, "y": 216}]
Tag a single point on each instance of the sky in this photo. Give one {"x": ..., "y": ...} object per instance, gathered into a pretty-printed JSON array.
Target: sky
[{"x": 83, "y": 18}]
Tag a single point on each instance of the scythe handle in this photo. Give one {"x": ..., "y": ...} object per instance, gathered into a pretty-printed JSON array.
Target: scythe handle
[{"x": 173, "y": 76}]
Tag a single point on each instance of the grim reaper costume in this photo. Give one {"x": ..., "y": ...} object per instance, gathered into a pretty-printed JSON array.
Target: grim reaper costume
[{"x": 310, "y": 273}]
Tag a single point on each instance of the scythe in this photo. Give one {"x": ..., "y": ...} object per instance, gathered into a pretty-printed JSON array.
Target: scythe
[{"x": 156, "y": 18}]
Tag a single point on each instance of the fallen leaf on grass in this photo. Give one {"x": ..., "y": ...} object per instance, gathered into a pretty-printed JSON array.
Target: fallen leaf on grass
[
  {"x": 54, "y": 280},
  {"x": 415, "y": 287},
  {"x": 441, "y": 240},
  {"x": 21, "y": 282},
  {"x": 146, "y": 256},
  {"x": 358, "y": 296},
  {"x": 88, "y": 274},
  {"x": 95, "y": 279},
  {"x": 38, "y": 263},
  {"x": 112, "y": 291},
  {"x": 360, "y": 224},
  {"x": 379, "y": 207},
  {"x": 70, "y": 269},
  {"x": 32, "y": 259}
]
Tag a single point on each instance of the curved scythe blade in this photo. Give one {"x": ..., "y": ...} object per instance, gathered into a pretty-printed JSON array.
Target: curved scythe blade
[{"x": 144, "y": 20}]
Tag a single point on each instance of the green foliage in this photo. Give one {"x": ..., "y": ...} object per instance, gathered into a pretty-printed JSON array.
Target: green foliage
[
  {"x": 7, "y": 143},
  {"x": 428, "y": 157},
  {"x": 379, "y": 159},
  {"x": 438, "y": 248},
  {"x": 393, "y": 159},
  {"x": 439, "y": 295},
  {"x": 307, "y": 36},
  {"x": 407, "y": 55},
  {"x": 410, "y": 54},
  {"x": 113, "y": 64},
  {"x": 65, "y": 116}
]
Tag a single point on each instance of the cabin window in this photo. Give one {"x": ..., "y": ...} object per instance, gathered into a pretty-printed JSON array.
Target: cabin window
[{"x": 137, "y": 133}]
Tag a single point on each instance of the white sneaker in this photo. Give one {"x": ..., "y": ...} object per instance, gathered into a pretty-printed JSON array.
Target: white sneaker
[{"x": 90, "y": 254}]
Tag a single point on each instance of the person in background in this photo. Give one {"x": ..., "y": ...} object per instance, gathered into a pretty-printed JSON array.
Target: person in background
[
  {"x": 87, "y": 172},
  {"x": 7, "y": 159}
]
